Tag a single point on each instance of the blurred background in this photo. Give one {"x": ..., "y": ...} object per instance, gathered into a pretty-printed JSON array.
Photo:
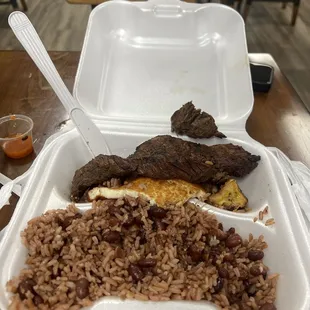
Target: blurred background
[{"x": 276, "y": 27}]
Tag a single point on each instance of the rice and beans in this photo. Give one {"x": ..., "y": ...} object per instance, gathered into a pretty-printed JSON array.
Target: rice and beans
[{"x": 132, "y": 250}]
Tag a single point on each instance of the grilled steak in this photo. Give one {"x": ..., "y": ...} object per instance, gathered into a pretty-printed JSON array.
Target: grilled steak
[
  {"x": 193, "y": 123},
  {"x": 166, "y": 157},
  {"x": 98, "y": 170}
]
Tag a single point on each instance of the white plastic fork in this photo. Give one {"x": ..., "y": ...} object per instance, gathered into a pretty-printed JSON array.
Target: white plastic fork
[{"x": 28, "y": 37}]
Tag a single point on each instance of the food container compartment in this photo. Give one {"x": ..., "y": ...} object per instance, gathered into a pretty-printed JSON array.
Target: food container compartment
[{"x": 288, "y": 252}]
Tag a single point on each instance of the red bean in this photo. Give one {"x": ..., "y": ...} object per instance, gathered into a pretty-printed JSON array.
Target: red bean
[
  {"x": 82, "y": 288},
  {"x": 147, "y": 262},
  {"x": 221, "y": 235},
  {"x": 156, "y": 212},
  {"x": 233, "y": 241},
  {"x": 112, "y": 237},
  {"x": 219, "y": 285},
  {"x": 229, "y": 258},
  {"x": 231, "y": 231},
  {"x": 223, "y": 273},
  {"x": 255, "y": 255},
  {"x": 113, "y": 221},
  {"x": 24, "y": 287},
  {"x": 194, "y": 253},
  {"x": 135, "y": 272}
]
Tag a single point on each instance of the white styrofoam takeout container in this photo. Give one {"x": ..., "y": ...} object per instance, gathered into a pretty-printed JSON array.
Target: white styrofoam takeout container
[{"x": 140, "y": 62}]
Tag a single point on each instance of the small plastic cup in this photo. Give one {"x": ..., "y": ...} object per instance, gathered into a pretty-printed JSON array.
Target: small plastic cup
[{"x": 16, "y": 135}]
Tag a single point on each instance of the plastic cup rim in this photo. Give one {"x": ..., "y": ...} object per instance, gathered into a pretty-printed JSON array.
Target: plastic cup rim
[{"x": 18, "y": 116}]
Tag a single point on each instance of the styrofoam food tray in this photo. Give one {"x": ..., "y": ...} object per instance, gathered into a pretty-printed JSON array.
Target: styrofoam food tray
[
  {"x": 288, "y": 252},
  {"x": 140, "y": 62}
]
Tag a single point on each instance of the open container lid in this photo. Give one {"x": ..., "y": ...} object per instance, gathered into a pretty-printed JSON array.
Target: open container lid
[{"x": 142, "y": 61}]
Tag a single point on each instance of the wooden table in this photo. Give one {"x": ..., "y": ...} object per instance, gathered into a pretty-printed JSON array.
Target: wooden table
[{"x": 279, "y": 117}]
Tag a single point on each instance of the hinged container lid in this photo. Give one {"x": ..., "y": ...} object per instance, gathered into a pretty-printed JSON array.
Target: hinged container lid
[{"x": 141, "y": 61}]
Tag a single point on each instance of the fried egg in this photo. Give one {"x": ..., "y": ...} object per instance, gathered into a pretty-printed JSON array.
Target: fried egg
[{"x": 157, "y": 192}]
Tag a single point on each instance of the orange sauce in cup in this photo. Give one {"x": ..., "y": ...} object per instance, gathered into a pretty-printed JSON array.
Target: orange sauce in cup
[{"x": 18, "y": 148}]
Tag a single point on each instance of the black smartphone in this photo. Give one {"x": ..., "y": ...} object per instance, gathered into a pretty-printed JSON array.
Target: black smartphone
[{"x": 262, "y": 77}]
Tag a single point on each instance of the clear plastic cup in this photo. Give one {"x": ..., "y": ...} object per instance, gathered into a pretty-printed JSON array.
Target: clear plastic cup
[{"x": 16, "y": 135}]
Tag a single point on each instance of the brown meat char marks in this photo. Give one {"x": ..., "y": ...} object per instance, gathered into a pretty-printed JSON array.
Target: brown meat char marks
[
  {"x": 194, "y": 159},
  {"x": 194, "y": 123},
  {"x": 234, "y": 160},
  {"x": 161, "y": 167},
  {"x": 166, "y": 157},
  {"x": 98, "y": 170}
]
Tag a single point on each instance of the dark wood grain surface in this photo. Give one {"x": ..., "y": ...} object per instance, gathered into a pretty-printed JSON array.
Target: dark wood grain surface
[
  {"x": 23, "y": 90},
  {"x": 279, "y": 118}
]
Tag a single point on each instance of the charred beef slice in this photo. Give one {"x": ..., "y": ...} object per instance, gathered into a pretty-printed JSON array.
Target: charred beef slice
[
  {"x": 98, "y": 170},
  {"x": 192, "y": 162},
  {"x": 194, "y": 123},
  {"x": 166, "y": 157}
]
